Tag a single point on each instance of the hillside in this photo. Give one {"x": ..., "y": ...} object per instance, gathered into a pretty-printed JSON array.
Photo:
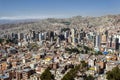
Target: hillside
[{"x": 52, "y": 23}]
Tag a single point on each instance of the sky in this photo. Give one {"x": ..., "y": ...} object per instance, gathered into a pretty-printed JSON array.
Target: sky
[{"x": 19, "y": 9}]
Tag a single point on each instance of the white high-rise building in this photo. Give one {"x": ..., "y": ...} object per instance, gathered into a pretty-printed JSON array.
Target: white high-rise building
[
  {"x": 40, "y": 36},
  {"x": 97, "y": 42},
  {"x": 73, "y": 35}
]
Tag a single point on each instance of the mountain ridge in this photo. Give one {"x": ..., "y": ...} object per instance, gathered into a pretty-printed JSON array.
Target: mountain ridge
[{"x": 57, "y": 23}]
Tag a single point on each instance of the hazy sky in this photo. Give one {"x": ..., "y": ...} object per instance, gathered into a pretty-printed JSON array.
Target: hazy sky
[{"x": 57, "y": 8}]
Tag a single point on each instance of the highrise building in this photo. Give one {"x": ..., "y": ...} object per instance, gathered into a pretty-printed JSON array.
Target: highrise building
[
  {"x": 73, "y": 35},
  {"x": 20, "y": 36},
  {"x": 117, "y": 44},
  {"x": 97, "y": 42}
]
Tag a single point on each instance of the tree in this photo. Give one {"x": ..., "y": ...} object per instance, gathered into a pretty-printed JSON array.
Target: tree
[
  {"x": 98, "y": 53},
  {"x": 1, "y": 41},
  {"x": 90, "y": 77},
  {"x": 71, "y": 74},
  {"x": 47, "y": 75},
  {"x": 84, "y": 65},
  {"x": 33, "y": 46},
  {"x": 72, "y": 50},
  {"x": 65, "y": 29},
  {"x": 114, "y": 74}
]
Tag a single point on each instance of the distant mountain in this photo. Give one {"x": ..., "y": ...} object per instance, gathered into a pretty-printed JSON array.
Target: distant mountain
[
  {"x": 8, "y": 21},
  {"x": 55, "y": 23}
]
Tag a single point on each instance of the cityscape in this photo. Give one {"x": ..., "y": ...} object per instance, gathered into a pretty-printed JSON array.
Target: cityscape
[{"x": 70, "y": 47}]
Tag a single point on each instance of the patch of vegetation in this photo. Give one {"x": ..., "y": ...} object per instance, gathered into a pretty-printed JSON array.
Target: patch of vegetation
[
  {"x": 66, "y": 23},
  {"x": 1, "y": 40},
  {"x": 65, "y": 29},
  {"x": 72, "y": 50},
  {"x": 90, "y": 77},
  {"x": 9, "y": 41},
  {"x": 87, "y": 48},
  {"x": 84, "y": 64},
  {"x": 33, "y": 46},
  {"x": 47, "y": 75},
  {"x": 71, "y": 74},
  {"x": 98, "y": 53},
  {"x": 114, "y": 74}
]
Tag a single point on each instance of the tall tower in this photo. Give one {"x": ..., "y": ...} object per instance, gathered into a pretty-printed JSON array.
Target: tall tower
[
  {"x": 97, "y": 42},
  {"x": 73, "y": 35}
]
